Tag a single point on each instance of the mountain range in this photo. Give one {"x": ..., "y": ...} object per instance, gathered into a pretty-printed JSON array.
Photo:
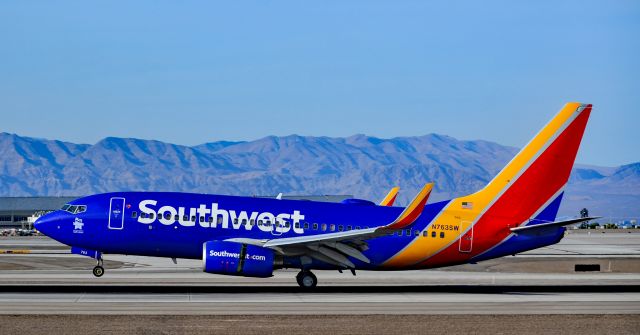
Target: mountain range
[{"x": 363, "y": 166}]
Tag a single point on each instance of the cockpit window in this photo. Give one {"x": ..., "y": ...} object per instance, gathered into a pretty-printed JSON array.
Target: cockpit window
[{"x": 74, "y": 209}]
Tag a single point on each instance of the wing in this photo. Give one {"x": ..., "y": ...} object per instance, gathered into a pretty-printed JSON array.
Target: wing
[{"x": 335, "y": 248}]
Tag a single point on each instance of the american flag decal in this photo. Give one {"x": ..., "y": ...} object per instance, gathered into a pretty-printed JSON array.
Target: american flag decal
[{"x": 467, "y": 205}]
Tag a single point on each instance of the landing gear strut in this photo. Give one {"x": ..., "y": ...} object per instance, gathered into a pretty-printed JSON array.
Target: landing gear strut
[
  {"x": 98, "y": 270},
  {"x": 306, "y": 279}
]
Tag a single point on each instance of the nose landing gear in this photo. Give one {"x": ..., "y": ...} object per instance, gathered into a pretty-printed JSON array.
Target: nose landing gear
[
  {"x": 98, "y": 270},
  {"x": 306, "y": 279}
]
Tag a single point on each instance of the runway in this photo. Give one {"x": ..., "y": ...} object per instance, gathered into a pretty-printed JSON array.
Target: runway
[
  {"x": 325, "y": 302},
  {"x": 50, "y": 281}
]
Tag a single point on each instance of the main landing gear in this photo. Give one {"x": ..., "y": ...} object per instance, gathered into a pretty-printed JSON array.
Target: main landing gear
[
  {"x": 98, "y": 270},
  {"x": 306, "y": 279}
]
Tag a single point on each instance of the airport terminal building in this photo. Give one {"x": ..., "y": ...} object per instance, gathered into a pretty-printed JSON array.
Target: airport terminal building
[{"x": 15, "y": 211}]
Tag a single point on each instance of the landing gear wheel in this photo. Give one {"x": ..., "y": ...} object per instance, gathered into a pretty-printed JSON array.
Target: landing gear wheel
[
  {"x": 306, "y": 279},
  {"x": 98, "y": 271}
]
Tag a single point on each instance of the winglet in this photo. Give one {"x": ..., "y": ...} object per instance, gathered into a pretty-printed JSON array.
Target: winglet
[
  {"x": 413, "y": 211},
  {"x": 390, "y": 198}
]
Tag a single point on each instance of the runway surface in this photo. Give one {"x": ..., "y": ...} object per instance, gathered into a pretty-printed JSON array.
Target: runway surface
[
  {"x": 376, "y": 301},
  {"x": 50, "y": 281}
]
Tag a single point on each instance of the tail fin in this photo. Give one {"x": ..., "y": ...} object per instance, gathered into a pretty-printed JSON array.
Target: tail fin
[
  {"x": 529, "y": 187},
  {"x": 537, "y": 173}
]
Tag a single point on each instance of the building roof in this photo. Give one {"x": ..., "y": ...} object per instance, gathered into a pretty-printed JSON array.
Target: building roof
[{"x": 33, "y": 203}]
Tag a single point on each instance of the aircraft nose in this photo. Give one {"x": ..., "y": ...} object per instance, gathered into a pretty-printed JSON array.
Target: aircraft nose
[{"x": 47, "y": 224}]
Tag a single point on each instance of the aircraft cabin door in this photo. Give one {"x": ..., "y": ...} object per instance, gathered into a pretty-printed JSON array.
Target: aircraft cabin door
[
  {"x": 116, "y": 213},
  {"x": 466, "y": 240}
]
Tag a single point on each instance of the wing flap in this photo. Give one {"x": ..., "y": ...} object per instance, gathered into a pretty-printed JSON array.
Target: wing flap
[{"x": 343, "y": 235}]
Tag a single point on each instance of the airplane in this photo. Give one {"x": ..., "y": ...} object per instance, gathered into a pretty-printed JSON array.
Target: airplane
[{"x": 253, "y": 237}]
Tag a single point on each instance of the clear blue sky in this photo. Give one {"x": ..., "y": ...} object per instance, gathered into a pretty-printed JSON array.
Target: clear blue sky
[{"x": 190, "y": 72}]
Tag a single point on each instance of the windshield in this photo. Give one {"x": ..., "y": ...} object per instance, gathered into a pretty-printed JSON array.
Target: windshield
[{"x": 74, "y": 209}]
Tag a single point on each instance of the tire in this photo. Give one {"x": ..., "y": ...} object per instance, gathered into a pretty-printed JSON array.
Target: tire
[
  {"x": 98, "y": 271},
  {"x": 306, "y": 279}
]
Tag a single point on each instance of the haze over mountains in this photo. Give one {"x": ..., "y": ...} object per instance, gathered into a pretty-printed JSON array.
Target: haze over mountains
[{"x": 364, "y": 166}]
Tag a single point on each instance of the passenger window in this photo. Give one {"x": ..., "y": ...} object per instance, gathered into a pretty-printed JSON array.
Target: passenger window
[
  {"x": 252, "y": 222},
  {"x": 441, "y": 234},
  {"x": 315, "y": 226},
  {"x": 340, "y": 228},
  {"x": 219, "y": 219},
  {"x": 244, "y": 221},
  {"x": 425, "y": 234},
  {"x": 167, "y": 216},
  {"x": 306, "y": 225},
  {"x": 235, "y": 221},
  {"x": 185, "y": 218},
  {"x": 324, "y": 227},
  {"x": 399, "y": 232},
  {"x": 332, "y": 227},
  {"x": 297, "y": 224},
  {"x": 408, "y": 232},
  {"x": 177, "y": 217},
  {"x": 357, "y": 227},
  {"x": 433, "y": 233},
  {"x": 416, "y": 233},
  {"x": 134, "y": 214},
  {"x": 211, "y": 219},
  {"x": 152, "y": 216},
  {"x": 348, "y": 227},
  {"x": 193, "y": 218},
  {"x": 202, "y": 219}
]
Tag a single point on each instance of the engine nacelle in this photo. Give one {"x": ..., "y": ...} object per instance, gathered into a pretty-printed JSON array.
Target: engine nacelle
[{"x": 237, "y": 259}]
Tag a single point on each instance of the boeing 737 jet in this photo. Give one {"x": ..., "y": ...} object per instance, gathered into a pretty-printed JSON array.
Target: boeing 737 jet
[{"x": 248, "y": 236}]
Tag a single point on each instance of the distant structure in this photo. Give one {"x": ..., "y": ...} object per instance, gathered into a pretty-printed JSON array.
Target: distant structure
[
  {"x": 16, "y": 211},
  {"x": 584, "y": 213}
]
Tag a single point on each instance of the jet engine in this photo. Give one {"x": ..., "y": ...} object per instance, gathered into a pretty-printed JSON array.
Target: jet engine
[{"x": 237, "y": 259}]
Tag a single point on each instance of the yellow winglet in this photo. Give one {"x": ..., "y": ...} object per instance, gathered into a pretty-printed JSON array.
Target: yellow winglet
[
  {"x": 413, "y": 211},
  {"x": 390, "y": 198}
]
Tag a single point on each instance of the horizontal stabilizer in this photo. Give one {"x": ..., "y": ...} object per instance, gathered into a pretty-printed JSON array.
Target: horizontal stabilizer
[
  {"x": 551, "y": 224},
  {"x": 391, "y": 197},
  {"x": 413, "y": 211}
]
